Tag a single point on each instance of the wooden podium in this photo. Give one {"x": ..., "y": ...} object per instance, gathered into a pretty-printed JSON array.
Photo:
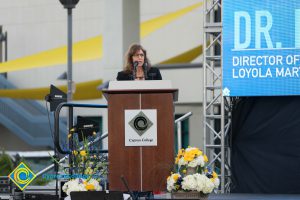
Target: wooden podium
[{"x": 145, "y": 168}]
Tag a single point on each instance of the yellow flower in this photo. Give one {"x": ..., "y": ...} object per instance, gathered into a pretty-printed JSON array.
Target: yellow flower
[
  {"x": 205, "y": 158},
  {"x": 83, "y": 153},
  {"x": 175, "y": 177},
  {"x": 180, "y": 153},
  {"x": 215, "y": 175},
  {"x": 184, "y": 171},
  {"x": 69, "y": 136},
  {"x": 90, "y": 187},
  {"x": 200, "y": 153},
  {"x": 75, "y": 152},
  {"x": 196, "y": 151},
  {"x": 189, "y": 156},
  {"x": 176, "y": 160}
]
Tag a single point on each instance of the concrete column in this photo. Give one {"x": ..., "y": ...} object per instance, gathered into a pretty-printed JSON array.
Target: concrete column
[{"x": 121, "y": 28}]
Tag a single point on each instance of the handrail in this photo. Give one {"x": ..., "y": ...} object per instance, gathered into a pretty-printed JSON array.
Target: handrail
[
  {"x": 182, "y": 118},
  {"x": 178, "y": 122},
  {"x": 56, "y": 123}
]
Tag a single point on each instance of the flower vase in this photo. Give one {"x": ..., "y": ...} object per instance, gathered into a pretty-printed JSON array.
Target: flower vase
[
  {"x": 191, "y": 170},
  {"x": 189, "y": 195}
]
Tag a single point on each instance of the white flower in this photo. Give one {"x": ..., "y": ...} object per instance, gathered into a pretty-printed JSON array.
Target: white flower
[
  {"x": 200, "y": 161},
  {"x": 170, "y": 184},
  {"x": 200, "y": 181},
  {"x": 78, "y": 185},
  {"x": 208, "y": 186},
  {"x": 96, "y": 184},
  {"x": 182, "y": 162},
  {"x": 73, "y": 185},
  {"x": 189, "y": 149},
  {"x": 189, "y": 183},
  {"x": 171, "y": 181},
  {"x": 216, "y": 182}
]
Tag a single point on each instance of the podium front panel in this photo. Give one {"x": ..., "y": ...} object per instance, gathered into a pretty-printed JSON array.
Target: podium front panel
[{"x": 144, "y": 168}]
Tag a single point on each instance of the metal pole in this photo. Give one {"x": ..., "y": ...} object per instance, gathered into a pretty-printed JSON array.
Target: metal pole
[
  {"x": 5, "y": 35},
  {"x": 178, "y": 122},
  {"x": 179, "y": 139},
  {"x": 70, "y": 75},
  {"x": 70, "y": 81}
]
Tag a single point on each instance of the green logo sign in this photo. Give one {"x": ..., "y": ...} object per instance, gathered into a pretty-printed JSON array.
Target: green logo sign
[{"x": 22, "y": 176}]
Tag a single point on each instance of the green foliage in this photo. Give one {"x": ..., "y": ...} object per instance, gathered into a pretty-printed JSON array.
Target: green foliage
[{"x": 6, "y": 164}]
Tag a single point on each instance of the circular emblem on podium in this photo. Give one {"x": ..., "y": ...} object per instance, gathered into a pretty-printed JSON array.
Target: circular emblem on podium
[{"x": 140, "y": 123}]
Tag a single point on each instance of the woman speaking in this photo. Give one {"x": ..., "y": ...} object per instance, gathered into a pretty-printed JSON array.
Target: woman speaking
[{"x": 137, "y": 66}]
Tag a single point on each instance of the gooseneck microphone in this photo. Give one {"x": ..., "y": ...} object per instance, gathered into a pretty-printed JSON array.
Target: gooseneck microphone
[
  {"x": 145, "y": 66},
  {"x": 135, "y": 64}
]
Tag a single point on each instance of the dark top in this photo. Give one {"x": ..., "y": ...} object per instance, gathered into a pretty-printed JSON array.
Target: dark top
[{"x": 153, "y": 74}]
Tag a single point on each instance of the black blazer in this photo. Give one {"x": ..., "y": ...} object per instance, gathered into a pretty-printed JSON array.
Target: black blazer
[{"x": 153, "y": 74}]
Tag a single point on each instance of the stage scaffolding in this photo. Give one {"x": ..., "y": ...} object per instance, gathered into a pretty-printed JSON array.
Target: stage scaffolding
[{"x": 216, "y": 108}]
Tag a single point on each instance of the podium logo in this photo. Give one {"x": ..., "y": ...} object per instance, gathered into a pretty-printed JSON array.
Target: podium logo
[
  {"x": 140, "y": 123},
  {"x": 22, "y": 176}
]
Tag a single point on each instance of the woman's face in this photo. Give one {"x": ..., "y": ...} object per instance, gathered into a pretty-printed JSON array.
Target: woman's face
[{"x": 139, "y": 57}]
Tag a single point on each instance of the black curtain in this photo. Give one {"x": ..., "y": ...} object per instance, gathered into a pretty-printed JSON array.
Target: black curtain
[{"x": 266, "y": 145}]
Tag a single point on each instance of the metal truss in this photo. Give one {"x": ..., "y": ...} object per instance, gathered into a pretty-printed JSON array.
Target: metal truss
[{"x": 216, "y": 108}]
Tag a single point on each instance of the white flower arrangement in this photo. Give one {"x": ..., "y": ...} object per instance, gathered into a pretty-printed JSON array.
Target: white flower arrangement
[
  {"x": 202, "y": 180},
  {"x": 87, "y": 167},
  {"x": 198, "y": 182},
  {"x": 81, "y": 185}
]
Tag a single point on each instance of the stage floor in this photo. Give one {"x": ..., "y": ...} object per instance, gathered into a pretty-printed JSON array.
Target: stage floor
[
  {"x": 243, "y": 196},
  {"x": 253, "y": 197}
]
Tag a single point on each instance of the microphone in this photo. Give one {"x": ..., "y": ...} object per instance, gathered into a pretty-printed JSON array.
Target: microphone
[
  {"x": 133, "y": 197},
  {"x": 145, "y": 65},
  {"x": 135, "y": 64}
]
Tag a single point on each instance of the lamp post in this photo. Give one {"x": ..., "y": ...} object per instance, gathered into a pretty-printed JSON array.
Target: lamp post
[
  {"x": 69, "y": 5},
  {"x": 3, "y": 38}
]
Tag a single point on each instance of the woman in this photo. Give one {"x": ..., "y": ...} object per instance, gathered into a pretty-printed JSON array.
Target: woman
[{"x": 137, "y": 66}]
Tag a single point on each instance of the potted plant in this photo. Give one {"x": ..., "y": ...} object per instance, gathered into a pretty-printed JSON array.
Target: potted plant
[
  {"x": 87, "y": 168},
  {"x": 192, "y": 178}
]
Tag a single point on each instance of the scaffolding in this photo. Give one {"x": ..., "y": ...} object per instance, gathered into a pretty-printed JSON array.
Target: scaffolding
[{"x": 216, "y": 108}]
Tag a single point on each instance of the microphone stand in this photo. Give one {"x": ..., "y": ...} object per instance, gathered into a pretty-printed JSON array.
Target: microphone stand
[{"x": 135, "y": 64}]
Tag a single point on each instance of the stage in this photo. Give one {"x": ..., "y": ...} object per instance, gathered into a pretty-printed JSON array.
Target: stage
[{"x": 242, "y": 196}]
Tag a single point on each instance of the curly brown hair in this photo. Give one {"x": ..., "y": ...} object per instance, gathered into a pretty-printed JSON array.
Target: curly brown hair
[{"x": 128, "y": 57}]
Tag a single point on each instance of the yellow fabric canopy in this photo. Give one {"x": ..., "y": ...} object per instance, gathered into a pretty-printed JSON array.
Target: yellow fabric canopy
[
  {"x": 84, "y": 91},
  {"x": 185, "y": 57},
  {"x": 89, "y": 49},
  {"x": 85, "y": 50}
]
